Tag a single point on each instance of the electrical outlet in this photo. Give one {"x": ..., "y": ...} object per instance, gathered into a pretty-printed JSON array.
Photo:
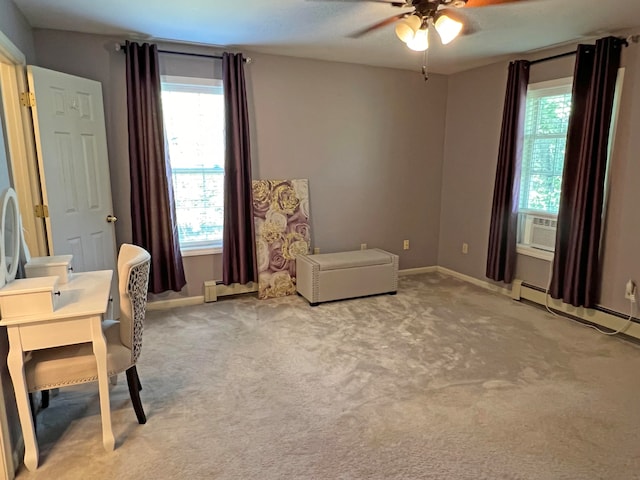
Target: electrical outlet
[
  {"x": 630, "y": 290},
  {"x": 465, "y": 248},
  {"x": 316, "y": 250},
  {"x": 405, "y": 245},
  {"x": 363, "y": 246}
]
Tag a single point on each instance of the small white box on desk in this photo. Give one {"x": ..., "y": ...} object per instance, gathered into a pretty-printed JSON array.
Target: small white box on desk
[
  {"x": 29, "y": 296},
  {"x": 51, "y": 266}
]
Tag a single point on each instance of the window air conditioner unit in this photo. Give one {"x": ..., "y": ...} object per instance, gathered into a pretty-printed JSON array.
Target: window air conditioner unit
[{"x": 540, "y": 232}]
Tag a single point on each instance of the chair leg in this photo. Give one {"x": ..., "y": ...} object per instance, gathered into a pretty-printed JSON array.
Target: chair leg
[
  {"x": 133, "y": 381},
  {"x": 138, "y": 381},
  {"x": 34, "y": 415}
]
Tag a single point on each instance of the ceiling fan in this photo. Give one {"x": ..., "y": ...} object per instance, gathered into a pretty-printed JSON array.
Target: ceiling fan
[{"x": 412, "y": 26}]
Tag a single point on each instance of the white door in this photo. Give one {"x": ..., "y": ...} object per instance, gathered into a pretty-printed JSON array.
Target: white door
[{"x": 71, "y": 144}]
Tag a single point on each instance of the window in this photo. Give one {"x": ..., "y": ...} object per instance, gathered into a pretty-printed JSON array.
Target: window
[
  {"x": 193, "y": 110},
  {"x": 545, "y": 137}
]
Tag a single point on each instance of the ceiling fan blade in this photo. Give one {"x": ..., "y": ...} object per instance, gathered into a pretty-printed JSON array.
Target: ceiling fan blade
[
  {"x": 378, "y": 25},
  {"x": 487, "y": 3}
]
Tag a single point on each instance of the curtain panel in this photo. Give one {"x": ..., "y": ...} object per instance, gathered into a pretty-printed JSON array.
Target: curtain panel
[
  {"x": 153, "y": 215},
  {"x": 501, "y": 254},
  {"x": 576, "y": 266},
  {"x": 238, "y": 236}
]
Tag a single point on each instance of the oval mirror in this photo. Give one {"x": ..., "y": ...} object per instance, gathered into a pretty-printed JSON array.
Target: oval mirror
[{"x": 10, "y": 231}]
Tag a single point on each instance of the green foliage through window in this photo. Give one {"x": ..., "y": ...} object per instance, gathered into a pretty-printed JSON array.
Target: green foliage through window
[
  {"x": 546, "y": 121},
  {"x": 193, "y": 111}
]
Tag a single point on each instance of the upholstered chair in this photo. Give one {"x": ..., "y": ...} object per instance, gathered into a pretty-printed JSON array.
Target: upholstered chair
[{"x": 75, "y": 364}]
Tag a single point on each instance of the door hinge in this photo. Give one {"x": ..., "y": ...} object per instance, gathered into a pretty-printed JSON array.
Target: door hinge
[
  {"x": 42, "y": 211},
  {"x": 28, "y": 99}
]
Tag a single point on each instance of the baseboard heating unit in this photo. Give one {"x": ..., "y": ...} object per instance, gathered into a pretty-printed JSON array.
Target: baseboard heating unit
[
  {"x": 213, "y": 290},
  {"x": 598, "y": 316}
]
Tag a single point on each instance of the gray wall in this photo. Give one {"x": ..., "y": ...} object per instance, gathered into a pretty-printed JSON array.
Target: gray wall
[
  {"x": 474, "y": 118},
  {"x": 370, "y": 140},
  {"x": 17, "y": 29}
]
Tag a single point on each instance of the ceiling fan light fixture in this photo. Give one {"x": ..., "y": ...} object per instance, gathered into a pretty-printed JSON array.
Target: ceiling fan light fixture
[
  {"x": 420, "y": 41},
  {"x": 447, "y": 28},
  {"x": 407, "y": 28}
]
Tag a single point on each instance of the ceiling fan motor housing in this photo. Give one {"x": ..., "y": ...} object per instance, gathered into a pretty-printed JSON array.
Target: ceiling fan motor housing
[
  {"x": 434, "y": 4},
  {"x": 429, "y": 8}
]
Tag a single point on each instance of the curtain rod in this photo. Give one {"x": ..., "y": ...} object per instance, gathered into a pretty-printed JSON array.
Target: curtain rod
[
  {"x": 624, "y": 41},
  {"x": 553, "y": 57},
  {"x": 120, "y": 47}
]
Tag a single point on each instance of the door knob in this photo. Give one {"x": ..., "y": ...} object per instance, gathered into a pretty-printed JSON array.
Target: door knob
[{"x": 112, "y": 218}]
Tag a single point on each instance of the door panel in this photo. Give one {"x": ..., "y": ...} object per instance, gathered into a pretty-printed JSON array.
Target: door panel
[
  {"x": 71, "y": 143},
  {"x": 90, "y": 157},
  {"x": 72, "y": 150}
]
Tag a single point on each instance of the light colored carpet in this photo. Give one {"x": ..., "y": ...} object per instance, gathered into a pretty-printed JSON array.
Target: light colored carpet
[{"x": 442, "y": 381}]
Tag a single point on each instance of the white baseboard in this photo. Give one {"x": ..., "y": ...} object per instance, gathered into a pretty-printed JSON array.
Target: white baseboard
[
  {"x": 597, "y": 317},
  {"x": 519, "y": 291},
  {"x": 175, "y": 302},
  {"x": 417, "y": 271},
  {"x": 453, "y": 273},
  {"x": 220, "y": 290},
  {"x": 480, "y": 283},
  {"x": 236, "y": 289}
]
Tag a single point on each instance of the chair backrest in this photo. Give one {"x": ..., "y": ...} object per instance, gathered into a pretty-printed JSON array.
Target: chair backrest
[{"x": 133, "y": 282}]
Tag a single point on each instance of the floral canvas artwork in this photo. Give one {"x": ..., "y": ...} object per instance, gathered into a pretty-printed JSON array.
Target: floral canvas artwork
[{"x": 281, "y": 216}]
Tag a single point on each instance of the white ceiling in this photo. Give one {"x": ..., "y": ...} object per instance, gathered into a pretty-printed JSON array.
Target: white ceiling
[{"x": 319, "y": 28}]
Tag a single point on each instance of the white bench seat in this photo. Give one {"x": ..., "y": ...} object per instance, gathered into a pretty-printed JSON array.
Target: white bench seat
[{"x": 335, "y": 276}]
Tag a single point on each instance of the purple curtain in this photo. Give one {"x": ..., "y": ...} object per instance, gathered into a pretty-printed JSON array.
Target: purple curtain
[
  {"x": 576, "y": 275},
  {"x": 501, "y": 255},
  {"x": 153, "y": 215},
  {"x": 238, "y": 240}
]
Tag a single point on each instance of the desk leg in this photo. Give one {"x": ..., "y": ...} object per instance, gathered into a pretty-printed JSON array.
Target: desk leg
[
  {"x": 15, "y": 362},
  {"x": 100, "y": 352}
]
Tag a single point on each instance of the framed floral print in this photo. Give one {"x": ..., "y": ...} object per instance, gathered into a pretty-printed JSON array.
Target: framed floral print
[{"x": 281, "y": 218}]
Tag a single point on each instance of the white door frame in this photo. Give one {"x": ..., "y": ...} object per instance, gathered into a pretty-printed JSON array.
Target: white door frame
[
  {"x": 22, "y": 158},
  {"x": 20, "y": 144}
]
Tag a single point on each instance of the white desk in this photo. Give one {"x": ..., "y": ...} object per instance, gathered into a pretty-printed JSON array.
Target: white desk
[{"x": 77, "y": 319}]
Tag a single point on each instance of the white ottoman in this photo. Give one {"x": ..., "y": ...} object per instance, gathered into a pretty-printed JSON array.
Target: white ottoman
[{"x": 335, "y": 276}]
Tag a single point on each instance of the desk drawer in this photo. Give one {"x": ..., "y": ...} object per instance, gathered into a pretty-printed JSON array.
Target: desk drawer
[
  {"x": 55, "y": 333},
  {"x": 54, "y": 266},
  {"x": 29, "y": 296}
]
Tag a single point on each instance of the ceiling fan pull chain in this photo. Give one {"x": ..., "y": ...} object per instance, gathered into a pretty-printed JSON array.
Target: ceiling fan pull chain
[{"x": 425, "y": 73}]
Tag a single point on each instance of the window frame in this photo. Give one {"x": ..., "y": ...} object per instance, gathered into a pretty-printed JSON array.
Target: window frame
[
  {"x": 556, "y": 86},
  {"x": 196, "y": 85}
]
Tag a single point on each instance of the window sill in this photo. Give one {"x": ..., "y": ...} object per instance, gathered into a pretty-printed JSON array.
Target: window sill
[
  {"x": 523, "y": 249},
  {"x": 199, "y": 251}
]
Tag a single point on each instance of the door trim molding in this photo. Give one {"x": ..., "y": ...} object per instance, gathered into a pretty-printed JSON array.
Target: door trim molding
[
  {"x": 21, "y": 157},
  {"x": 10, "y": 52},
  {"x": 20, "y": 144}
]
